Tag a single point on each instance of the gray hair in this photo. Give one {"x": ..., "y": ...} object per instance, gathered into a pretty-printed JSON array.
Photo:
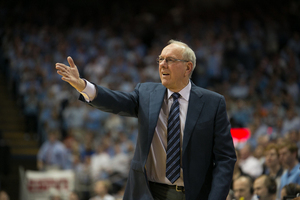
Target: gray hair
[{"x": 187, "y": 54}]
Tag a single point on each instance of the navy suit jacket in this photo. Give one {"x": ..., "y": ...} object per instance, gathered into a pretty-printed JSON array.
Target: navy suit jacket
[{"x": 208, "y": 154}]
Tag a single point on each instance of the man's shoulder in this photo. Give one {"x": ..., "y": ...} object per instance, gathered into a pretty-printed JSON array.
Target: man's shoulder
[
  {"x": 296, "y": 169},
  {"x": 150, "y": 86},
  {"x": 208, "y": 94},
  {"x": 59, "y": 146}
]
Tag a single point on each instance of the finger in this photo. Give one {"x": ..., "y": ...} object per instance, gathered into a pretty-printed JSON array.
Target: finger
[
  {"x": 62, "y": 73},
  {"x": 65, "y": 79},
  {"x": 71, "y": 62},
  {"x": 61, "y": 66}
]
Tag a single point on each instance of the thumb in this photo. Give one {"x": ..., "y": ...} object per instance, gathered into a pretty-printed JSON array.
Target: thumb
[{"x": 71, "y": 62}]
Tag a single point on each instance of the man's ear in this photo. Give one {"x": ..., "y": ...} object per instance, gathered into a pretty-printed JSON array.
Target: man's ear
[{"x": 189, "y": 68}]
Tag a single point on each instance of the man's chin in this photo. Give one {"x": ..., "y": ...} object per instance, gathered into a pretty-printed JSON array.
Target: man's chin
[{"x": 164, "y": 83}]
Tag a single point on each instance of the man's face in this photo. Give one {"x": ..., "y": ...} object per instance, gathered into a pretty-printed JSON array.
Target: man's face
[
  {"x": 245, "y": 152},
  {"x": 286, "y": 157},
  {"x": 100, "y": 188},
  {"x": 272, "y": 158},
  {"x": 4, "y": 196},
  {"x": 175, "y": 75},
  {"x": 241, "y": 188},
  {"x": 293, "y": 136},
  {"x": 73, "y": 197},
  {"x": 283, "y": 193},
  {"x": 260, "y": 189}
]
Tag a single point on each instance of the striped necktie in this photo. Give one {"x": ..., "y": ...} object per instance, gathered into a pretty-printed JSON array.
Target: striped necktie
[{"x": 173, "y": 148}]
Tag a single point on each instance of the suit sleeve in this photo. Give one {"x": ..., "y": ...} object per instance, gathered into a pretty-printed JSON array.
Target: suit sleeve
[
  {"x": 121, "y": 103},
  {"x": 223, "y": 155}
]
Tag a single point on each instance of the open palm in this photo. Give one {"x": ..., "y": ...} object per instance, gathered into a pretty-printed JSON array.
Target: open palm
[{"x": 70, "y": 74}]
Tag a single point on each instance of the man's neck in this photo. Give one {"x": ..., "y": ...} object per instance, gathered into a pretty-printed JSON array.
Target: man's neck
[
  {"x": 272, "y": 197},
  {"x": 274, "y": 170},
  {"x": 290, "y": 167}
]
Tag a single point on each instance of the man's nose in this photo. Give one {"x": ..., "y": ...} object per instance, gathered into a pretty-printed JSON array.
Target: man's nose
[{"x": 163, "y": 64}]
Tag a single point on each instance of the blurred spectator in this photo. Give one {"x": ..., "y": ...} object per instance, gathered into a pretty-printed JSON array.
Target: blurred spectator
[
  {"x": 83, "y": 176},
  {"x": 294, "y": 137},
  {"x": 230, "y": 195},
  {"x": 3, "y": 195},
  {"x": 265, "y": 188},
  {"x": 242, "y": 114},
  {"x": 272, "y": 163},
  {"x": 288, "y": 153},
  {"x": 120, "y": 161},
  {"x": 86, "y": 145},
  {"x": 243, "y": 188},
  {"x": 101, "y": 190},
  {"x": 53, "y": 154},
  {"x": 100, "y": 163},
  {"x": 120, "y": 164},
  {"x": 291, "y": 189},
  {"x": 240, "y": 90},
  {"x": 237, "y": 172},
  {"x": 95, "y": 69},
  {"x": 259, "y": 153},
  {"x": 292, "y": 122},
  {"x": 94, "y": 120},
  {"x": 55, "y": 194},
  {"x": 73, "y": 115},
  {"x": 73, "y": 196},
  {"x": 113, "y": 124},
  {"x": 248, "y": 163}
]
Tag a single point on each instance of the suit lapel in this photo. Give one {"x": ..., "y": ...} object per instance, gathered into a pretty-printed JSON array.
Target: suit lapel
[
  {"x": 193, "y": 113},
  {"x": 156, "y": 100}
]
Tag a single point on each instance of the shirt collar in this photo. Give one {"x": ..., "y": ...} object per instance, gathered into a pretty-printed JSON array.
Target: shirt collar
[{"x": 185, "y": 92}]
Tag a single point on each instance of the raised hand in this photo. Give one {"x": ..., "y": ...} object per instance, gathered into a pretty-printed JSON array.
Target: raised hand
[{"x": 70, "y": 74}]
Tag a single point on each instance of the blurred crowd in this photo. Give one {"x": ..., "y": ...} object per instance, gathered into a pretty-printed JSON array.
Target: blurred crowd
[{"x": 250, "y": 54}]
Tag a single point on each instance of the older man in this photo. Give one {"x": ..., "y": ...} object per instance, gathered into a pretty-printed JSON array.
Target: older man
[{"x": 184, "y": 148}]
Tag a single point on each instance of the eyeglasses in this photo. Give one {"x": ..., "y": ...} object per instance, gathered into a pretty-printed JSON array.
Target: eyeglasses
[{"x": 169, "y": 60}]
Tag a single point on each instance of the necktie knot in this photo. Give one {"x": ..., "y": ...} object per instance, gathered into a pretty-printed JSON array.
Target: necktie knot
[{"x": 175, "y": 95}]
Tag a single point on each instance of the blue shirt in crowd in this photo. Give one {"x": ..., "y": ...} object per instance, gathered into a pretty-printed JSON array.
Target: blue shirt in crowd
[
  {"x": 292, "y": 176},
  {"x": 55, "y": 154}
]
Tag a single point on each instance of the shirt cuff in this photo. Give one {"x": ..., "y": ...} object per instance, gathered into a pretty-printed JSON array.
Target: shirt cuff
[{"x": 89, "y": 91}]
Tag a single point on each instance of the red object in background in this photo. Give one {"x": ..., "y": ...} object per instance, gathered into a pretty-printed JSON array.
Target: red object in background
[{"x": 240, "y": 134}]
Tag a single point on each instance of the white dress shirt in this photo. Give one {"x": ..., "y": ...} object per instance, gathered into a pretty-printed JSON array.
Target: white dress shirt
[{"x": 156, "y": 162}]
